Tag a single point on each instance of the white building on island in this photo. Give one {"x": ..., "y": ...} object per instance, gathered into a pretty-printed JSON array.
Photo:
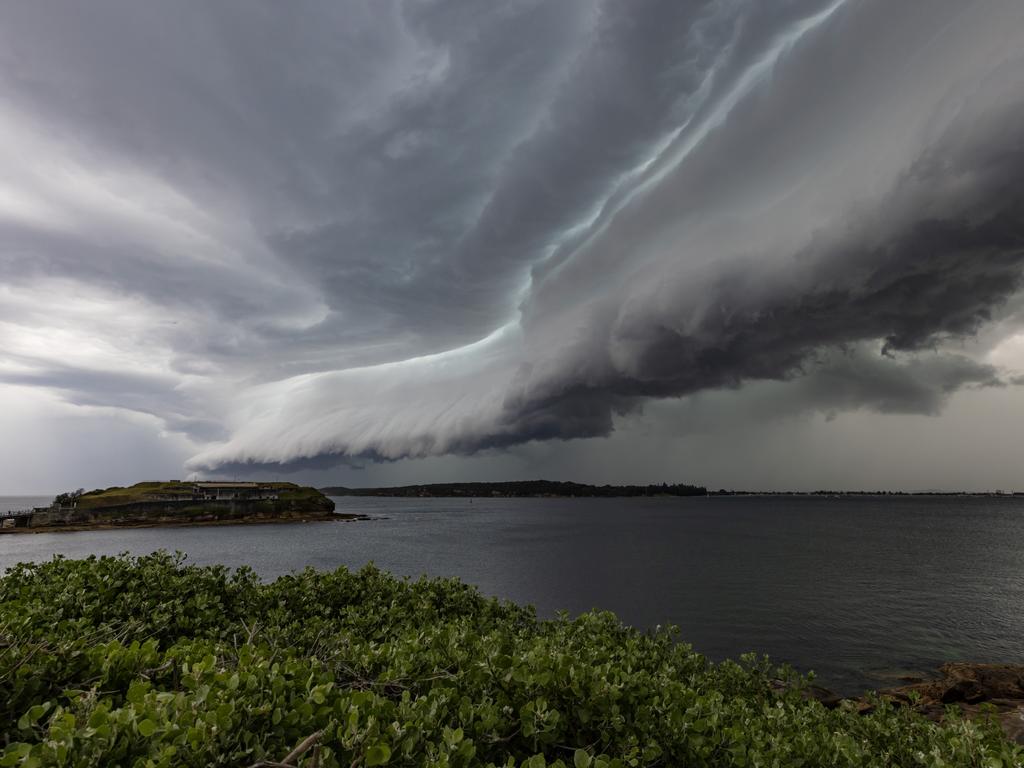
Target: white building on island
[{"x": 218, "y": 491}]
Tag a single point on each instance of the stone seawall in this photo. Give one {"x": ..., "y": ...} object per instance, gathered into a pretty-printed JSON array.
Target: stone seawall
[{"x": 181, "y": 511}]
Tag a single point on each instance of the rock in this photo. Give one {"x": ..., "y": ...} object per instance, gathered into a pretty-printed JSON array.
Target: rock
[
  {"x": 830, "y": 699},
  {"x": 910, "y": 679},
  {"x": 964, "y": 690},
  {"x": 976, "y": 689},
  {"x": 1012, "y": 721},
  {"x": 998, "y": 681}
]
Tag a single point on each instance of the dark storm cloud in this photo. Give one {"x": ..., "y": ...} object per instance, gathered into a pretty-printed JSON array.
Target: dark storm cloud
[
  {"x": 372, "y": 230},
  {"x": 933, "y": 262},
  {"x": 639, "y": 307},
  {"x": 869, "y": 381},
  {"x": 626, "y": 93}
]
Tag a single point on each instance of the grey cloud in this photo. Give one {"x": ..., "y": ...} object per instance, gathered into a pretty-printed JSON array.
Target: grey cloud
[
  {"x": 623, "y": 318},
  {"x": 340, "y": 172},
  {"x": 152, "y": 395},
  {"x": 375, "y": 230},
  {"x": 839, "y": 380},
  {"x": 920, "y": 386},
  {"x": 909, "y": 283}
]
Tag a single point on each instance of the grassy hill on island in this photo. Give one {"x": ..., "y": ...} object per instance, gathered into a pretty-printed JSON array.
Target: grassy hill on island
[{"x": 178, "y": 490}]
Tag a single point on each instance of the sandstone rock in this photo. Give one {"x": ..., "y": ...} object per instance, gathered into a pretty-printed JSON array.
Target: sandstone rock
[
  {"x": 830, "y": 699},
  {"x": 976, "y": 689},
  {"x": 964, "y": 690}
]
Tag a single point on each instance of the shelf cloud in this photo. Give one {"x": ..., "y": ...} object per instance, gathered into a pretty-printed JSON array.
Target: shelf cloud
[{"x": 370, "y": 231}]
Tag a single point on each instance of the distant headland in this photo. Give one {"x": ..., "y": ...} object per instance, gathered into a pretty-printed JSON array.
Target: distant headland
[
  {"x": 562, "y": 489},
  {"x": 175, "y": 503},
  {"x": 521, "y": 489}
]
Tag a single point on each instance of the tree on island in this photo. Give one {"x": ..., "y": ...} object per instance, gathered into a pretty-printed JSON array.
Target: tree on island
[{"x": 69, "y": 498}]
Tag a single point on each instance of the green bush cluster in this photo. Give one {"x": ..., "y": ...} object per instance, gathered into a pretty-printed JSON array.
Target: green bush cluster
[{"x": 151, "y": 662}]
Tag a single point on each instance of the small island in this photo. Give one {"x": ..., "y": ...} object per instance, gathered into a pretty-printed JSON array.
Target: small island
[{"x": 175, "y": 503}]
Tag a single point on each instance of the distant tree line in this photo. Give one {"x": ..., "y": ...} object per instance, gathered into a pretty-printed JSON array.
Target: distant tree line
[
  {"x": 724, "y": 492},
  {"x": 525, "y": 488},
  {"x": 552, "y": 488}
]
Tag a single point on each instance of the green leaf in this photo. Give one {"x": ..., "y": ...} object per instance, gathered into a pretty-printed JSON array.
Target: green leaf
[
  {"x": 147, "y": 727},
  {"x": 136, "y": 691},
  {"x": 581, "y": 759},
  {"x": 378, "y": 754},
  {"x": 34, "y": 713}
]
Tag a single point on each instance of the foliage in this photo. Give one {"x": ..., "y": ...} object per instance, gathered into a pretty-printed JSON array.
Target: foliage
[
  {"x": 152, "y": 662},
  {"x": 68, "y": 498}
]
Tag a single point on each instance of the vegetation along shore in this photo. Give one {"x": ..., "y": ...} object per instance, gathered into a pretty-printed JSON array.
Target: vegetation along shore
[{"x": 151, "y": 662}]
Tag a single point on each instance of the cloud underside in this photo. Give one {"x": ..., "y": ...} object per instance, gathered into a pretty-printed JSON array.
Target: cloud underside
[
  {"x": 857, "y": 318},
  {"x": 435, "y": 228}
]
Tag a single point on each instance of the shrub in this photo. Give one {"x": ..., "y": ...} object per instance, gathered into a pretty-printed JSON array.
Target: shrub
[{"x": 151, "y": 662}]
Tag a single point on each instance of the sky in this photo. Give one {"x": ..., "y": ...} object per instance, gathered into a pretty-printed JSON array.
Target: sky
[{"x": 735, "y": 243}]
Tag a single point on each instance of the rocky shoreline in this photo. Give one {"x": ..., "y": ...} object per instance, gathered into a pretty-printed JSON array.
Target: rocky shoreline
[
  {"x": 977, "y": 690},
  {"x": 316, "y": 517}
]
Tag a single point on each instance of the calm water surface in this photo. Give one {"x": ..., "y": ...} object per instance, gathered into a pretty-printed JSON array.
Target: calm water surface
[{"x": 861, "y": 590}]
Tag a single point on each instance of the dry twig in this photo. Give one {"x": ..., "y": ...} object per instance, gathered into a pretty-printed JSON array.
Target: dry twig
[{"x": 292, "y": 757}]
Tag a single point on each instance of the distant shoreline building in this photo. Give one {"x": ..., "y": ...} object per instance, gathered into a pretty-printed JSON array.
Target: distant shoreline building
[{"x": 240, "y": 491}]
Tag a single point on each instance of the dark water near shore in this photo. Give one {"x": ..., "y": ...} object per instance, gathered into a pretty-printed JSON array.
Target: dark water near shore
[{"x": 861, "y": 590}]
